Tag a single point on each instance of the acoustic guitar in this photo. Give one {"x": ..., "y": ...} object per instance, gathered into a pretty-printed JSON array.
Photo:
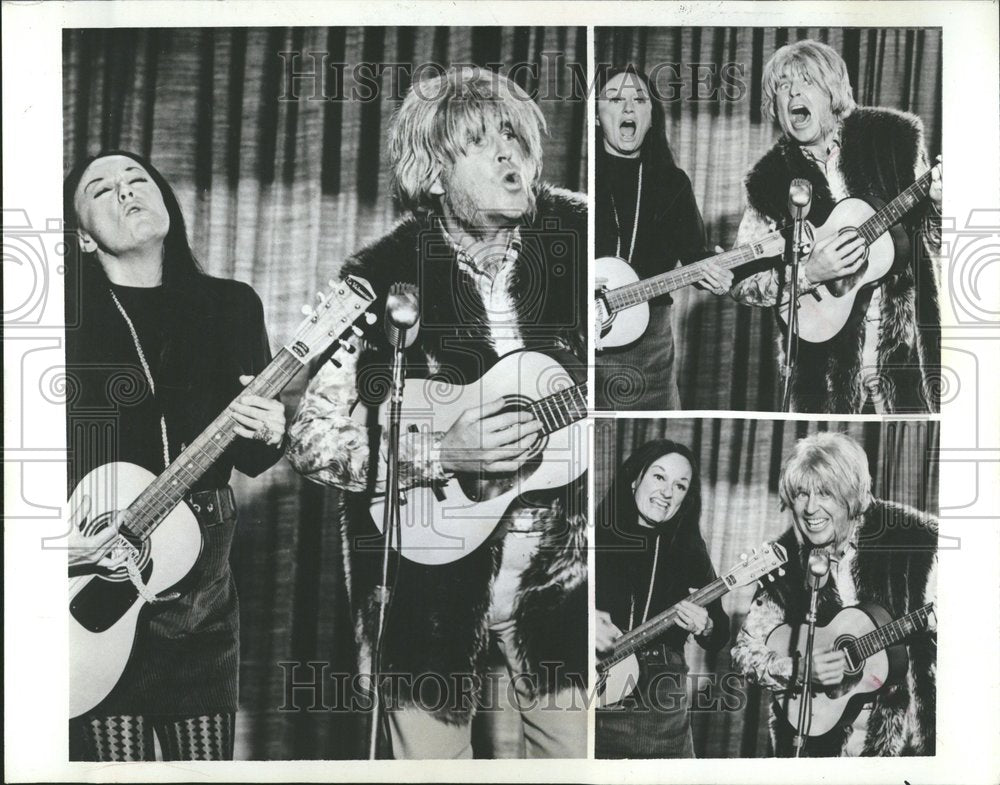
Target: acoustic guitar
[
  {"x": 875, "y": 657},
  {"x": 444, "y": 522},
  {"x": 827, "y": 309},
  {"x": 153, "y": 522},
  {"x": 621, "y": 298}
]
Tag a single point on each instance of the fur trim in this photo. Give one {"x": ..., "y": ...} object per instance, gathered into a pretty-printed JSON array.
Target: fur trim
[{"x": 880, "y": 149}]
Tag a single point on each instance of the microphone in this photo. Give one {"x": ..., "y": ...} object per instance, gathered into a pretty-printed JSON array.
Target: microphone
[
  {"x": 402, "y": 315},
  {"x": 800, "y": 194},
  {"x": 819, "y": 569}
]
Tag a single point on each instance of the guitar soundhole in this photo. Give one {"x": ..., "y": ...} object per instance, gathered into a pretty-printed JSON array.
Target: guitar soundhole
[
  {"x": 604, "y": 316},
  {"x": 846, "y": 643},
  {"x": 842, "y": 286},
  {"x": 482, "y": 487},
  {"x": 521, "y": 403},
  {"x": 120, "y": 574}
]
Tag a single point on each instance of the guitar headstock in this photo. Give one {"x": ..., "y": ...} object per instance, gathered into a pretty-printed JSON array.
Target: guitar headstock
[
  {"x": 755, "y": 566},
  {"x": 338, "y": 310}
]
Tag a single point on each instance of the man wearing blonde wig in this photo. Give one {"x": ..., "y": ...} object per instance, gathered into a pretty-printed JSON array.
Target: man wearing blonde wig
[
  {"x": 887, "y": 361},
  {"x": 500, "y": 262},
  {"x": 880, "y": 552}
]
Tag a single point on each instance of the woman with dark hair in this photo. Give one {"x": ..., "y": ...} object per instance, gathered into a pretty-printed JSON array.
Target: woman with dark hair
[
  {"x": 155, "y": 350},
  {"x": 646, "y": 215},
  {"x": 650, "y": 557}
]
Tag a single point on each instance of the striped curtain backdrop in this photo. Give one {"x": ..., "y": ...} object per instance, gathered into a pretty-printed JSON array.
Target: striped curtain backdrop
[
  {"x": 274, "y": 141},
  {"x": 710, "y": 80},
  {"x": 740, "y": 463}
]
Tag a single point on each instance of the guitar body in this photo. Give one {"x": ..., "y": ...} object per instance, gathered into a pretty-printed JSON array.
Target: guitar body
[
  {"x": 825, "y": 311},
  {"x": 623, "y": 327},
  {"x": 840, "y": 705},
  {"x": 443, "y": 523},
  {"x": 104, "y": 605},
  {"x": 617, "y": 682}
]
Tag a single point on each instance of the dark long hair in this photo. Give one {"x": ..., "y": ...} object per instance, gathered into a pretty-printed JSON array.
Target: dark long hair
[
  {"x": 655, "y": 147},
  {"x": 179, "y": 263},
  {"x": 618, "y": 514}
]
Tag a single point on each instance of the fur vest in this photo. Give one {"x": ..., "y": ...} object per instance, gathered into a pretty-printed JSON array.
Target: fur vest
[
  {"x": 438, "y": 624},
  {"x": 879, "y": 150},
  {"x": 897, "y": 548}
]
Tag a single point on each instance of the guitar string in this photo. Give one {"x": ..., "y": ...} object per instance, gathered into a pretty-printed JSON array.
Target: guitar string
[
  {"x": 640, "y": 291},
  {"x": 899, "y": 628},
  {"x": 634, "y": 639},
  {"x": 206, "y": 450}
]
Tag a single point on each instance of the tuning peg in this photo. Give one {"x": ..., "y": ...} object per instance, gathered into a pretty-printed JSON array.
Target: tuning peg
[
  {"x": 357, "y": 330},
  {"x": 743, "y": 557},
  {"x": 370, "y": 317},
  {"x": 321, "y": 297},
  {"x": 781, "y": 571},
  {"x": 349, "y": 348},
  {"x": 754, "y": 550},
  {"x": 770, "y": 578},
  {"x": 331, "y": 283},
  {"x": 760, "y": 585},
  {"x": 307, "y": 310},
  {"x": 335, "y": 362}
]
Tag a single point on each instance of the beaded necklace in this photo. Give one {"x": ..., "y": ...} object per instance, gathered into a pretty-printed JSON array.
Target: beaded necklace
[
  {"x": 149, "y": 376},
  {"x": 635, "y": 222}
]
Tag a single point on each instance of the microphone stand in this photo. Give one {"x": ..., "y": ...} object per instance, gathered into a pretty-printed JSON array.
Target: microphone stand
[
  {"x": 390, "y": 529},
  {"x": 791, "y": 338},
  {"x": 805, "y": 705}
]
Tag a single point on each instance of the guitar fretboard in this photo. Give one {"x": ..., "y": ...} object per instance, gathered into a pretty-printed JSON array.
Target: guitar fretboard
[
  {"x": 167, "y": 491},
  {"x": 893, "y": 212},
  {"x": 561, "y": 409},
  {"x": 640, "y": 637},
  {"x": 642, "y": 291},
  {"x": 893, "y": 632}
]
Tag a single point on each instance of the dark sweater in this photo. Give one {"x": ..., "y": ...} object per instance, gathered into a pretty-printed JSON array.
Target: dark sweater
[
  {"x": 670, "y": 226},
  {"x": 624, "y": 564}
]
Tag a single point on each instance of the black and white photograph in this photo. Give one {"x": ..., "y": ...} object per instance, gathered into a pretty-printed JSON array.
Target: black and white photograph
[
  {"x": 216, "y": 178},
  {"x": 738, "y": 560},
  {"x": 532, "y": 390},
  {"x": 708, "y": 139}
]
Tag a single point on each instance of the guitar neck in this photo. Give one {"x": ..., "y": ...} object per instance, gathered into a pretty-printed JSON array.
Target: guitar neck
[
  {"x": 892, "y": 213},
  {"x": 643, "y": 635},
  {"x": 893, "y": 632},
  {"x": 167, "y": 490},
  {"x": 561, "y": 409},
  {"x": 664, "y": 283}
]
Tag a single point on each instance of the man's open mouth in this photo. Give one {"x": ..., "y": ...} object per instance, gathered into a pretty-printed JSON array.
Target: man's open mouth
[
  {"x": 627, "y": 130},
  {"x": 133, "y": 208},
  {"x": 800, "y": 116},
  {"x": 512, "y": 179}
]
